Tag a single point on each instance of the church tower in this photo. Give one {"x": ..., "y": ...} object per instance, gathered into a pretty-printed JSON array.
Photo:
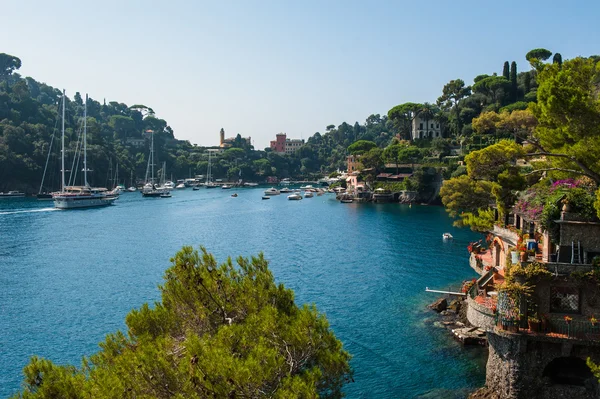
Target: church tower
[{"x": 222, "y": 137}]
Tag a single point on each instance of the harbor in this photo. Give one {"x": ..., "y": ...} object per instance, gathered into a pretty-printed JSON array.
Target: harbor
[{"x": 64, "y": 292}]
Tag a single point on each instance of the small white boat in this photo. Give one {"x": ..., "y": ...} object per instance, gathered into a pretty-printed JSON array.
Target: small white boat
[
  {"x": 346, "y": 200},
  {"x": 447, "y": 237},
  {"x": 132, "y": 189},
  {"x": 226, "y": 186},
  {"x": 266, "y": 197},
  {"x": 294, "y": 197},
  {"x": 307, "y": 187},
  {"x": 180, "y": 186},
  {"x": 166, "y": 194},
  {"x": 308, "y": 194},
  {"x": 286, "y": 190},
  {"x": 12, "y": 194},
  {"x": 271, "y": 191}
]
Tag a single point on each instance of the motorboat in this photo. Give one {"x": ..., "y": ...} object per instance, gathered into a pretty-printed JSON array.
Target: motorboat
[
  {"x": 12, "y": 194},
  {"x": 294, "y": 197},
  {"x": 132, "y": 189},
  {"x": 170, "y": 185},
  {"x": 44, "y": 196},
  {"x": 234, "y": 195},
  {"x": 180, "y": 186},
  {"x": 196, "y": 188},
  {"x": 226, "y": 186},
  {"x": 308, "y": 194},
  {"x": 250, "y": 184},
  {"x": 307, "y": 187},
  {"x": 165, "y": 194},
  {"x": 346, "y": 200},
  {"x": 271, "y": 191},
  {"x": 266, "y": 197},
  {"x": 447, "y": 237},
  {"x": 286, "y": 190}
]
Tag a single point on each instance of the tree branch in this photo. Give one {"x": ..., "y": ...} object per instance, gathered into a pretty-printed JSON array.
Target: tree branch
[{"x": 558, "y": 169}]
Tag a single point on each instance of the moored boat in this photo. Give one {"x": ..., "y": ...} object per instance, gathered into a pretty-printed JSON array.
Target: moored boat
[
  {"x": 447, "y": 237},
  {"x": 12, "y": 194},
  {"x": 271, "y": 191},
  {"x": 294, "y": 197}
]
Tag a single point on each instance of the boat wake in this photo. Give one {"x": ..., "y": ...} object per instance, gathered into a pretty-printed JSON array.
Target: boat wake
[{"x": 28, "y": 211}]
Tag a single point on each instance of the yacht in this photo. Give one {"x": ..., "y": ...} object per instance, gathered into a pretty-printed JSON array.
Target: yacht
[
  {"x": 271, "y": 191},
  {"x": 294, "y": 197},
  {"x": 150, "y": 189},
  {"x": 308, "y": 194},
  {"x": 70, "y": 197},
  {"x": 286, "y": 190},
  {"x": 169, "y": 185},
  {"x": 132, "y": 189},
  {"x": 180, "y": 186}
]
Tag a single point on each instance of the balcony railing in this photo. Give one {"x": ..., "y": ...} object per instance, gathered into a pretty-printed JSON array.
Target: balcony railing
[{"x": 555, "y": 328}]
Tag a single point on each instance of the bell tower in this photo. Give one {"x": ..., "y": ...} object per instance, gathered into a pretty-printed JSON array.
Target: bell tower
[{"x": 221, "y": 137}]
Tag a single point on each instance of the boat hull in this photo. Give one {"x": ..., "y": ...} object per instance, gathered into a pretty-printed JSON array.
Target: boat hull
[{"x": 75, "y": 203}]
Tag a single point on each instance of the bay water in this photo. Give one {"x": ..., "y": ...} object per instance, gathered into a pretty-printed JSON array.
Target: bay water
[{"x": 67, "y": 278}]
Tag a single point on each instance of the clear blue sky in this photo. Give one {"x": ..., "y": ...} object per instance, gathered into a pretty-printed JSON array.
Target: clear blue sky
[{"x": 262, "y": 67}]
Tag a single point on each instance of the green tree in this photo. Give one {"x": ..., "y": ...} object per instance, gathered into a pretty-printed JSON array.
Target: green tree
[
  {"x": 557, "y": 59},
  {"x": 402, "y": 116},
  {"x": 513, "y": 81},
  {"x": 452, "y": 94},
  {"x": 506, "y": 70},
  {"x": 464, "y": 197},
  {"x": 8, "y": 64},
  {"x": 361, "y": 146},
  {"x": 537, "y": 56},
  {"x": 219, "y": 331},
  {"x": 568, "y": 115},
  {"x": 492, "y": 86}
]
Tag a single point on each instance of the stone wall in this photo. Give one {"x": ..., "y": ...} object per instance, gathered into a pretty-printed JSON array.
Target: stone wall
[
  {"x": 587, "y": 233},
  {"x": 516, "y": 365},
  {"x": 479, "y": 315},
  {"x": 589, "y": 300}
]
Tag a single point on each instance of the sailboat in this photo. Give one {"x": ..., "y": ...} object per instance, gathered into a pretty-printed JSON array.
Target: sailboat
[
  {"x": 209, "y": 183},
  {"x": 131, "y": 188},
  {"x": 70, "y": 197},
  {"x": 150, "y": 189}
]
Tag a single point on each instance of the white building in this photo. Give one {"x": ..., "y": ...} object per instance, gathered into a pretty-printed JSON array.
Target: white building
[
  {"x": 291, "y": 145},
  {"x": 425, "y": 129}
]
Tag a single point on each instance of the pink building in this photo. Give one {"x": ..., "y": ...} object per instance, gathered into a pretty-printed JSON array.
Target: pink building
[{"x": 278, "y": 145}]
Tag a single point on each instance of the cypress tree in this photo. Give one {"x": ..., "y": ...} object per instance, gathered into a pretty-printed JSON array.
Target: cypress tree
[
  {"x": 513, "y": 80},
  {"x": 557, "y": 59},
  {"x": 527, "y": 82},
  {"x": 505, "y": 70}
]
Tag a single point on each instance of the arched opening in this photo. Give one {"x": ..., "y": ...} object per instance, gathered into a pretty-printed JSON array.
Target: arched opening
[
  {"x": 497, "y": 251},
  {"x": 568, "y": 371}
]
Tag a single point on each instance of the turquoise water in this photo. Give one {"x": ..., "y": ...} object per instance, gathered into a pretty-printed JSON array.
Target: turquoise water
[{"x": 68, "y": 278}]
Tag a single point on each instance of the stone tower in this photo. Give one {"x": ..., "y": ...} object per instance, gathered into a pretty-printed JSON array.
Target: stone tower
[{"x": 222, "y": 137}]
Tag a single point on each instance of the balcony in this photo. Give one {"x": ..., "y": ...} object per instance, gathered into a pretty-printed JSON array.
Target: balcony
[{"x": 553, "y": 329}]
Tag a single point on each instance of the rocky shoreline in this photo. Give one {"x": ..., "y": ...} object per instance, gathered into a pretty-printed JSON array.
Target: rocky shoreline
[{"x": 453, "y": 317}]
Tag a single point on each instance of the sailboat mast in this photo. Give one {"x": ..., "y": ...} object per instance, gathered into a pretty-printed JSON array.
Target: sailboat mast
[
  {"x": 85, "y": 141},
  {"x": 63, "y": 144},
  {"x": 152, "y": 155}
]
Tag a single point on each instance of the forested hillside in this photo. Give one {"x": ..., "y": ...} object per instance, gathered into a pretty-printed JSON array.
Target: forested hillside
[{"x": 471, "y": 117}]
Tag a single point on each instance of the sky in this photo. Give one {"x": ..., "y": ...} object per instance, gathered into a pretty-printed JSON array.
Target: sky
[{"x": 262, "y": 67}]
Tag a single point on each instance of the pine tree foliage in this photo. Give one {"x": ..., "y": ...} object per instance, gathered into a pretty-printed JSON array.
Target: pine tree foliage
[{"x": 220, "y": 331}]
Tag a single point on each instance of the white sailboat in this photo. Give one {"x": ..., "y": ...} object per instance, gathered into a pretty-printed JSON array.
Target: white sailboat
[
  {"x": 209, "y": 183},
  {"x": 71, "y": 197},
  {"x": 150, "y": 189}
]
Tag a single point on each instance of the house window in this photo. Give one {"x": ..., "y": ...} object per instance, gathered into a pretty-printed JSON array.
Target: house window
[
  {"x": 421, "y": 125},
  {"x": 432, "y": 125},
  {"x": 438, "y": 125},
  {"x": 564, "y": 300}
]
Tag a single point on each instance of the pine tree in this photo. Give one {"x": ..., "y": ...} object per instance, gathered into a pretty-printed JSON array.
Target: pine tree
[{"x": 505, "y": 70}]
